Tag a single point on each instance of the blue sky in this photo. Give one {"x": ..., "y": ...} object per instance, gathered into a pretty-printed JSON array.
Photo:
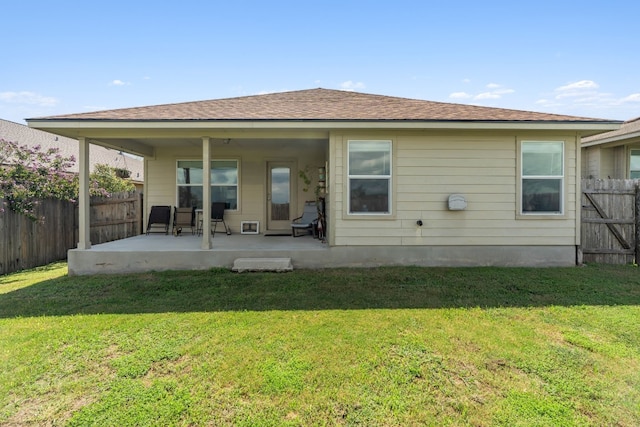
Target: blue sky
[{"x": 570, "y": 57}]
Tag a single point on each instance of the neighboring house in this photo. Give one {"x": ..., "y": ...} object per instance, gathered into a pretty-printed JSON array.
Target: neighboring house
[
  {"x": 14, "y": 132},
  {"x": 614, "y": 154},
  {"x": 408, "y": 182}
]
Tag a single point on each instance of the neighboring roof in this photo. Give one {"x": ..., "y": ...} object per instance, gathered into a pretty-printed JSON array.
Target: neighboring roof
[
  {"x": 23, "y": 135},
  {"x": 629, "y": 129},
  {"x": 319, "y": 105}
]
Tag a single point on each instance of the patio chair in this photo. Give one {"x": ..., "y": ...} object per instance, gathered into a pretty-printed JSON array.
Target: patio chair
[
  {"x": 160, "y": 216},
  {"x": 217, "y": 216},
  {"x": 183, "y": 218},
  {"x": 307, "y": 222}
]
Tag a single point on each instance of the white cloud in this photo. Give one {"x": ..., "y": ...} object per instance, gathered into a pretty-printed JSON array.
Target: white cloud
[
  {"x": 585, "y": 98},
  {"x": 460, "y": 95},
  {"x": 548, "y": 103},
  {"x": 496, "y": 92},
  {"x": 118, "y": 83},
  {"x": 352, "y": 86},
  {"x": 29, "y": 98},
  {"x": 582, "y": 88},
  {"x": 269, "y": 91},
  {"x": 503, "y": 91},
  {"x": 582, "y": 84},
  {"x": 634, "y": 97},
  {"x": 487, "y": 95}
]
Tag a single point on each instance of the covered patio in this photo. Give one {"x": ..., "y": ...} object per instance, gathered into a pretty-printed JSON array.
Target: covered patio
[{"x": 184, "y": 252}]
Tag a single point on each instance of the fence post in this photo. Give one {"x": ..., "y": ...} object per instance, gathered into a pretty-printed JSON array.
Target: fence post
[
  {"x": 636, "y": 224},
  {"x": 138, "y": 214}
]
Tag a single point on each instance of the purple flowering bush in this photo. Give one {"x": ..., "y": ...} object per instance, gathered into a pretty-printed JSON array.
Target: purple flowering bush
[{"x": 29, "y": 174}]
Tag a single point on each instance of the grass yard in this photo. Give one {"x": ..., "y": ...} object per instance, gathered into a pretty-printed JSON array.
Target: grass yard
[{"x": 371, "y": 347}]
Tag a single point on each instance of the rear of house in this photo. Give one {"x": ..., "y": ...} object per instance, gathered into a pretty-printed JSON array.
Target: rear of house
[{"x": 399, "y": 181}]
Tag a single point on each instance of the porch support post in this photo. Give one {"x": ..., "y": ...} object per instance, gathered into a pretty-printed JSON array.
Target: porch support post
[
  {"x": 206, "y": 192},
  {"x": 84, "y": 223}
]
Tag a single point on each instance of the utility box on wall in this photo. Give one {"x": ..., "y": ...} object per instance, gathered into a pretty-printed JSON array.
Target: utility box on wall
[{"x": 457, "y": 202}]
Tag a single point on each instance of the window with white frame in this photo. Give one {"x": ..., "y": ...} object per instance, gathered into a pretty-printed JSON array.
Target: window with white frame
[
  {"x": 634, "y": 164},
  {"x": 224, "y": 183},
  {"x": 369, "y": 170},
  {"x": 542, "y": 165}
]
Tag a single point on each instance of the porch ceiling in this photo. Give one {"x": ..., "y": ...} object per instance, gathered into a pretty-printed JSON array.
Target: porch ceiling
[
  {"x": 197, "y": 142},
  {"x": 145, "y": 142}
]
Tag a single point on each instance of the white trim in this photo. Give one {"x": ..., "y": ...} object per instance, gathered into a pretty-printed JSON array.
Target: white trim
[
  {"x": 94, "y": 125},
  {"x": 388, "y": 177},
  {"x": 252, "y": 227},
  {"x": 177, "y": 199},
  {"x": 560, "y": 177}
]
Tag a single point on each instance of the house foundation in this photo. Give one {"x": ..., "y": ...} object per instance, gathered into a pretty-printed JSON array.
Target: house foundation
[{"x": 157, "y": 253}]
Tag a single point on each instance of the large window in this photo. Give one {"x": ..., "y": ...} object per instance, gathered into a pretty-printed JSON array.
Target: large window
[
  {"x": 542, "y": 177},
  {"x": 224, "y": 183},
  {"x": 369, "y": 169},
  {"x": 634, "y": 165}
]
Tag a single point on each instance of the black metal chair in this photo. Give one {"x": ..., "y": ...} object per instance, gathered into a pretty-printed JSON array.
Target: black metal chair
[
  {"x": 160, "y": 216},
  {"x": 183, "y": 218},
  {"x": 217, "y": 216},
  {"x": 307, "y": 222}
]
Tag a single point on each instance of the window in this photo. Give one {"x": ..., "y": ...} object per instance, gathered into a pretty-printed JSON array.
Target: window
[
  {"x": 634, "y": 165},
  {"x": 542, "y": 177},
  {"x": 224, "y": 183},
  {"x": 369, "y": 169}
]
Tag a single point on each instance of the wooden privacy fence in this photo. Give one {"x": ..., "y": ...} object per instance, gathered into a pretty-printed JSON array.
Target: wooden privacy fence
[
  {"x": 609, "y": 227},
  {"x": 116, "y": 217},
  {"x": 27, "y": 244}
]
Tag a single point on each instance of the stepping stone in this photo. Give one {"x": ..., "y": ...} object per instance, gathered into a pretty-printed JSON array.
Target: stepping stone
[{"x": 242, "y": 265}]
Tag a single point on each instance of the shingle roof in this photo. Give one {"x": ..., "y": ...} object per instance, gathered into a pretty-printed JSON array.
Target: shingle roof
[
  {"x": 23, "y": 135},
  {"x": 319, "y": 105},
  {"x": 628, "y": 129}
]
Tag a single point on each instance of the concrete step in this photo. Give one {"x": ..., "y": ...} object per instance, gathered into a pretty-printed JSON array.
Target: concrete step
[{"x": 242, "y": 265}]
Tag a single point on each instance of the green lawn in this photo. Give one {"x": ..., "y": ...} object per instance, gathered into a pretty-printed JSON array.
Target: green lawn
[{"x": 371, "y": 347}]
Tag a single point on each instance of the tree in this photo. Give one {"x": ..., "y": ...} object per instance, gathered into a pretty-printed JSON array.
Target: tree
[{"x": 106, "y": 180}]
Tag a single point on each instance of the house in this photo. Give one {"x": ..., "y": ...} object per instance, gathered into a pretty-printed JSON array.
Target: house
[
  {"x": 402, "y": 181},
  {"x": 614, "y": 154},
  {"x": 14, "y": 132}
]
